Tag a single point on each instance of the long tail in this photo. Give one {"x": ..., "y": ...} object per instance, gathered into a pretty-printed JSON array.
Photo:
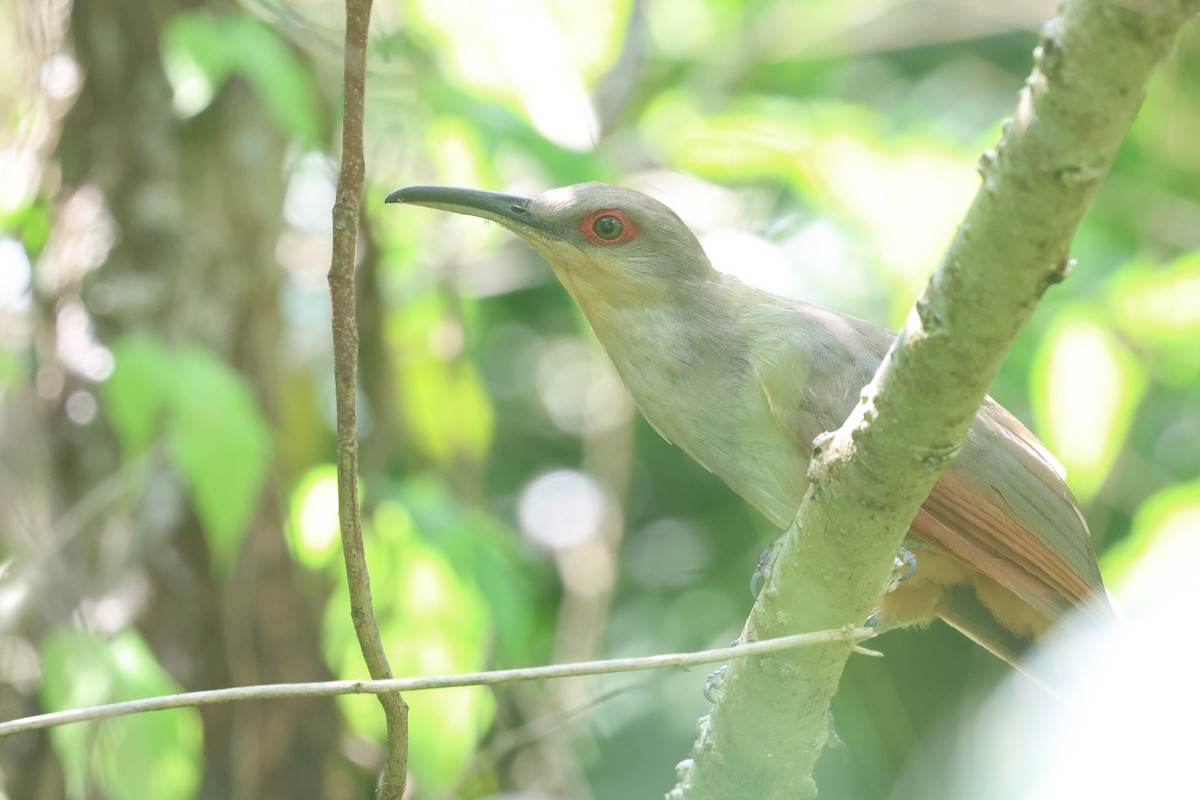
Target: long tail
[{"x": 961, "y": 610}]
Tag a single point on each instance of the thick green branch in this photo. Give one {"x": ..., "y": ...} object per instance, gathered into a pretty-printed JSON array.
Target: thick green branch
[{"x": 870, "y": 477}]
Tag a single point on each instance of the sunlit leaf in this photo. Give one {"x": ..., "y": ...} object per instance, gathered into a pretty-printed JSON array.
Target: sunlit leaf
[
  {"x": 1085, "y": 388},
  {"x": 157, "y": 754},
  {"x": 445, "y": 404},
  {"x": 1159, "y": 308},
  {"x": 489, "y": 553},
  {"x": 313, "y": 526},
  {"x": 908, "y": 198},
  {"x": 459, "y": 155},
  {"x": 221, "y": 445},
  {"x": 448, "y": 409},
  {"x": 537, "y": 60},
  {"x": 432, "y": 622},
  {"x": 195, "y": 59},
  {"x": 688, "y": 29},
  {"x": 1162, "y": 548},
  {"x": 509, "y": 136},
  {"x": 905, "y": 193}
]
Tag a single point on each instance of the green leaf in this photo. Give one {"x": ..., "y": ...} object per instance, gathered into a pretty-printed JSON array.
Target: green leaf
[
  {"x": 138, "y": 393},
  {"x": 1159, "y": 309},
  {"x": 196, "y": 59},
  {"x": 201, "y": 51},
  {"x": 217, "y": 436},
  {"x": 433, "y": 621},
  {"x": 903, "y": 194},
  {"x": 1162, "y": 546},
  {"x": 487, "y": 552},
  {"x": 31, "y": 222},
  {"x": 129, "y": 758},
  {"x": 221, "y": 445},
  {"x": 282, "y": 80},
  {"x": 445, "y": 404},
  {"x": 313, "y": 529},
  {"x": 1085, "y": 387},
  {"x": 449, "y": 412}
]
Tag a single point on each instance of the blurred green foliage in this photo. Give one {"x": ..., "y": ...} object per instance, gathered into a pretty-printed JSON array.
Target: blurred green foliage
[
  {"x": 216, "y": 435},
  {"x": 433, "y": 622},
  {"x": 149, "y": 755},
  {"x": 202, "y": 51},
  {"x": 837, "y": 140},
  {"x": 1086, "y": 388}
]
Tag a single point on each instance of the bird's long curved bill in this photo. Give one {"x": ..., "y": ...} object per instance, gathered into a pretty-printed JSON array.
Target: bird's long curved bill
[{"x": 505, "y": 209}]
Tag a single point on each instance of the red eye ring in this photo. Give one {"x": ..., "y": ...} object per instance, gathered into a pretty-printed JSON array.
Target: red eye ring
[{"x": 608, "y": 226}]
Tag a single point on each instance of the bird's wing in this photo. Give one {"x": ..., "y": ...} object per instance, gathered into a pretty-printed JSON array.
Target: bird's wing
[
  {"x": 812, "y": 377},
  {"x": 1001, "y": 506}
]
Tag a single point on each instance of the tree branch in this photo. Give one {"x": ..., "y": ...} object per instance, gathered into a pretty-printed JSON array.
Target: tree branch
[
  {"x": 346, "y": 212},
  {"x": 851, "y": 636},
  {"x": 870, "y": 477}
]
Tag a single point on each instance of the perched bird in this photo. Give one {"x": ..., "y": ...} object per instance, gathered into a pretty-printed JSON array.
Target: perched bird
[{"x": 743, "y": 381}]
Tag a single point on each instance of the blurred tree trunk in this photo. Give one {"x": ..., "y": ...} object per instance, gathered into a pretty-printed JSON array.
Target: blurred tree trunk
[{"x": 194, "y": 210}]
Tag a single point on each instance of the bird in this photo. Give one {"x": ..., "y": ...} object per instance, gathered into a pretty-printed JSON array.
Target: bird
[{"x": 743, "y": 381}]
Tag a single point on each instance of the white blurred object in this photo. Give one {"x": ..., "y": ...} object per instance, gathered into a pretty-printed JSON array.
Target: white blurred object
[
  {"x": 1126, "y": 724},
  {"x": 562, "y": 509}
]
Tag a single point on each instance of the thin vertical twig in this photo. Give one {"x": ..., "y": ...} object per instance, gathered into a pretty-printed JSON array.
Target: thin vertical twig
[{"x": 346, "y": 211}]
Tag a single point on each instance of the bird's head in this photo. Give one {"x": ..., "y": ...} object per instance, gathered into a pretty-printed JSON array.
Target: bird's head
[{"x": 610, "y": 246}]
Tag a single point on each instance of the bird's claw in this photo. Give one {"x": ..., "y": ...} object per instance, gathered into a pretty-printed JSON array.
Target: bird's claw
[
  {"x": 904, "y": 566},
  {"x": 759, "y": 579},
  {"x": 714, "y": 687}
]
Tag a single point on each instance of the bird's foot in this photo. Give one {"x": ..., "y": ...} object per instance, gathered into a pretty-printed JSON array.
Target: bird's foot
[
  {"x": 759, "y": 579},
  {"x": 904, "y": 566},
  {"x": 714, "y": 687}
]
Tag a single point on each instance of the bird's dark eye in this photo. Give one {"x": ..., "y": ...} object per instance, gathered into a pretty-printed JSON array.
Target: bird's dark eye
[{"x": 608, "y": 227}]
